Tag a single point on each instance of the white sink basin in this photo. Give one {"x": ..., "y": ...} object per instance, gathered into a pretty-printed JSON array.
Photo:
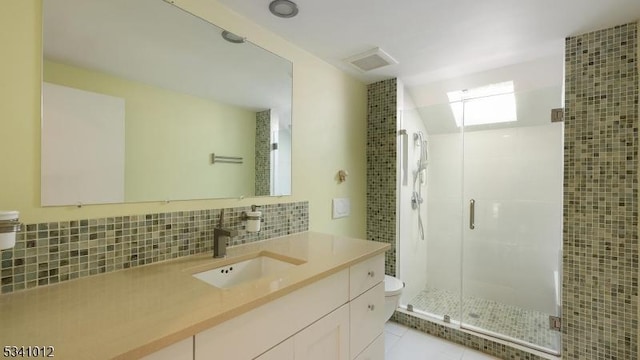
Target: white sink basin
[{"x": 243, "y": 271}]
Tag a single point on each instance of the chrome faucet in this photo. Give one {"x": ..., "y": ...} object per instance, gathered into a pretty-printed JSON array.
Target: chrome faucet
[{"x": 220, "y": 235}]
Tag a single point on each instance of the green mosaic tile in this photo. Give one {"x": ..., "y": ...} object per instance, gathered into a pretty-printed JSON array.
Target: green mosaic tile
[{"x": 108, "y": 244}]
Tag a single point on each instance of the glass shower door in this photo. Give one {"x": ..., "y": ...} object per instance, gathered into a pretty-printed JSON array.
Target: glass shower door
[
  {"x": 512, "y": 201},
  {"x": 430, "y": 259}
]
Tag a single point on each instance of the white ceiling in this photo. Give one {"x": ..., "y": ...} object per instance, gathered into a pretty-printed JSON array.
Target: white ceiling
[{"x": 434, "y": 40}]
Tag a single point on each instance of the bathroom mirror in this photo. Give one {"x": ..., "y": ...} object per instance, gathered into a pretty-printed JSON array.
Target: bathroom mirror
[{"x": 143, "y": 101}]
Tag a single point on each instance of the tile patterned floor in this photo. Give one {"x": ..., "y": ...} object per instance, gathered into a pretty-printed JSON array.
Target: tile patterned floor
[
  {"x": 403, "y": 343},
  {"x": 528, "y": 325}
]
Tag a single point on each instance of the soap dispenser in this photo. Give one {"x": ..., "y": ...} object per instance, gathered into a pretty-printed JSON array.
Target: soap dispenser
[
  {"x": 9, "y": 226},
  {"x": 253, "y": 219}
]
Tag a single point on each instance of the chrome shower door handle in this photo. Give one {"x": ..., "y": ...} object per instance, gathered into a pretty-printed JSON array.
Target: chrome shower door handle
[{"x": 472, "y": 214}]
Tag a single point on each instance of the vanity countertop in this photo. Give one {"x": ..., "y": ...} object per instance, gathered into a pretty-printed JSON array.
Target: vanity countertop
[{"x": 131, "y": 313}]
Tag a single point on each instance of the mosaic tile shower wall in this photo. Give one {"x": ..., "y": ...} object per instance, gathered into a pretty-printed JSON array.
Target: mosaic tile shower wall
[
  {"x": 49, "y": 253},
  {"x": 263, "y": 153},
  {"x": 600, "y": 290},
  {"x": 381, "y": 166}
]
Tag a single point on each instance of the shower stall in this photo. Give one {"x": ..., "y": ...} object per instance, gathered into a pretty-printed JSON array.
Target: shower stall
[{"x": 480, "y": 211}]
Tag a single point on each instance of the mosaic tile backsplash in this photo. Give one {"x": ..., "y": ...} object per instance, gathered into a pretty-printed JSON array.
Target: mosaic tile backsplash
[
  {"x": 49, "y": 253},
  {"x": 263, "y": 153},
  {"x": 600, "y": 235},
  {"x": 381, "y": 166}
]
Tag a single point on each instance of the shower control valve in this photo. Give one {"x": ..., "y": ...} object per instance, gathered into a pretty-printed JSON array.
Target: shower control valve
[{"x": 416, "y": 199}]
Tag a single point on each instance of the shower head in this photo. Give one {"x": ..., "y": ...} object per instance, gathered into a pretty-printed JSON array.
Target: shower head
[{"x": 422, "y": 143}]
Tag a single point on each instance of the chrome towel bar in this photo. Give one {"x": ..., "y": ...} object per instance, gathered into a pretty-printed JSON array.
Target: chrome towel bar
[{"x": 218, "y": 159}]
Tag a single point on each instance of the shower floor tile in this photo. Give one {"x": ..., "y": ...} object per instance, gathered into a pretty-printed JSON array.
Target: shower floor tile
[{"x": 509, "y": 320}]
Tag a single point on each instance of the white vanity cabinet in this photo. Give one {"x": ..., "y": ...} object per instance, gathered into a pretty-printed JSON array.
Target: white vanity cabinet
[{"x": 340, "y": 317}]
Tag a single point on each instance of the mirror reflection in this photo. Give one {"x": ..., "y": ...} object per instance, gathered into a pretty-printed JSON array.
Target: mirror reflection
[{"x": 145, "y": 102}]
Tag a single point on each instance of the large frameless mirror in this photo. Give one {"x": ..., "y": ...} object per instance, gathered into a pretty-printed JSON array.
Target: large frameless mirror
[{"x": 143, "y": 101}]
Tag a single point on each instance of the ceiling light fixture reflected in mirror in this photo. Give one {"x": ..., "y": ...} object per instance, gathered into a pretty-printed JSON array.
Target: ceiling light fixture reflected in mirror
[
  {"x": 283, "y": 8},
  {"x": 232, "y": 38}
]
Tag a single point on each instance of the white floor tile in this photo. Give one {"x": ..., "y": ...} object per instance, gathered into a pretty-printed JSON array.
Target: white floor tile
[
  {"x": 476, "y": 355},
  {"x": 448, "y": 347},
  {"x": 395, "y": 328},
  {"x": 404, "y": 343},
  {"x": 390, "y": 341},
  {"x": 415, "y": 345}
]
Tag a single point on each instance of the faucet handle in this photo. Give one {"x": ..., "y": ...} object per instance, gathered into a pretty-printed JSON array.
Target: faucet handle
[
  {"x": 254, "y": 207},
  {"x": 221, "y": 221}
]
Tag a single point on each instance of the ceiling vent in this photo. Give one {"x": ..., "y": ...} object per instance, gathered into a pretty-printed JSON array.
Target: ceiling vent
[{"x": 372, "y": 59}]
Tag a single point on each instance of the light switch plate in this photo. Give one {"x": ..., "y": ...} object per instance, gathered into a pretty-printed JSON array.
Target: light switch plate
[{"x": 341, "y": 207}]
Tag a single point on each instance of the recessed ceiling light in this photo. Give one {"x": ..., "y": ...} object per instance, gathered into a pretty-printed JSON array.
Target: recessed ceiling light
[
  {"x": 283, "y": 8},
  {"x": 232, "y": 38}
]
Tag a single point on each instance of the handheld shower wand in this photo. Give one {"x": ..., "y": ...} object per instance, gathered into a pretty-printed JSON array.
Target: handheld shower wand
[{"x": 416, "y": 197}]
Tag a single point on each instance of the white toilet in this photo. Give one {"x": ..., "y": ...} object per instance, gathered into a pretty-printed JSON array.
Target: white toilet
[{"x": 392, "y": 290}]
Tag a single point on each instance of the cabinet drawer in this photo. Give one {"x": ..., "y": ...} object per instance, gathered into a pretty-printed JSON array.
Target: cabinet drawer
[
  {"x": 367, "y": 318},
  {"x": 363, "y": 276},
  {"x": 375, "y": 351}
]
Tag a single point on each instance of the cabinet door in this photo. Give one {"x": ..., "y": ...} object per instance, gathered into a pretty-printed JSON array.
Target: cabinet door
[
  {"x": 282, "y": 351},
  {"x": 182, "y": 350},
  {"x": 326, "y": 339}
]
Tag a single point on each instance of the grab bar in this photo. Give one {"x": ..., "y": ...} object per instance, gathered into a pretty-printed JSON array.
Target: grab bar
[
  {"x": 472, "y": 214},
  {"x": 405, "y": 151}
]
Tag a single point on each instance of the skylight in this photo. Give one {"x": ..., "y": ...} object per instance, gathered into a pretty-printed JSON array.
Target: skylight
[{"x": 490, "y": 104}]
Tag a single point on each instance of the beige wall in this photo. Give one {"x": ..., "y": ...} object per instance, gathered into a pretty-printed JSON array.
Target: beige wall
[
  {"x": 169, "y": 137},
  {"x": 329, "y": 127}
]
